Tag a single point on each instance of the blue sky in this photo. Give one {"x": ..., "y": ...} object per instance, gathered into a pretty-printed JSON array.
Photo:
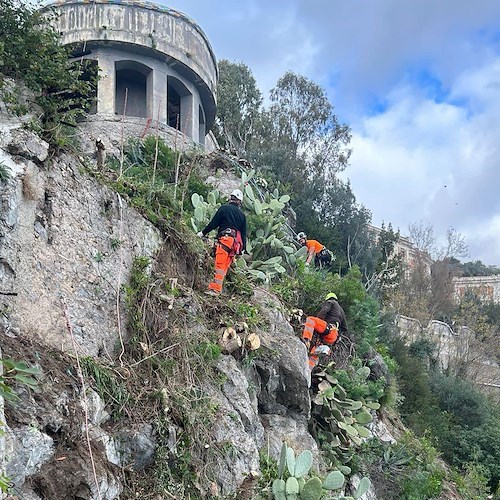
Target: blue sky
[{"x": 417, "y": 81}]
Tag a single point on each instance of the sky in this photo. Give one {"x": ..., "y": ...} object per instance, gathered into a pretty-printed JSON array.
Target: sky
[{"x": 418, "y": 82}]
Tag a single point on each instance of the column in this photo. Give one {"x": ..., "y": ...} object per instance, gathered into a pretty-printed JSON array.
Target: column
[{"x": 106, "y": 86}]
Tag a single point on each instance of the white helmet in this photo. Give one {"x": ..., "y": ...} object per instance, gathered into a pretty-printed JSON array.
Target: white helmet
[
  {"x": 237, "y": 194},
  {"x": 301, "y": 236}
]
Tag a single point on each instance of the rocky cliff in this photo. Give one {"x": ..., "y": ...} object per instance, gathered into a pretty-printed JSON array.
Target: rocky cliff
[{"x": 109, "y": 308}]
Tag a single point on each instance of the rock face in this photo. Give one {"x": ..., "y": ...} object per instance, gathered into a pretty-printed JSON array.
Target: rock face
[
  {"x": 284, "y": 374},
  {"x": 66, "y": 247},
  {"x": 67, "y": 244}
]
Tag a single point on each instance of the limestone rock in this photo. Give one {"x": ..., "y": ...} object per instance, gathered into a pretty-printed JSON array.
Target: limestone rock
[
  {"x": 379, "y": 430},
  {"x": 28, "y": 449},
  {"x": 284, "y": 371},
  {"x": 95, "y": 408},
  {"x": 64, "y": 236},
  {"x": 28, "y": 145},
  {"x": 236, "y": 390},
  {"x": 287, "y": 429},
  {"x": 240, "y": 453},
  {"x": 135, "y": 447}
]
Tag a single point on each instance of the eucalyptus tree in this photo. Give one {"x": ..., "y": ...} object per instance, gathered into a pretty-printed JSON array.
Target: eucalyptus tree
[{"x": 303, "y": 119}]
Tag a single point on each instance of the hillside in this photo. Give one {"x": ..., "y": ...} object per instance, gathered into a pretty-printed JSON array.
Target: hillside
[
  {"x": 121, "y": 378},
  {"x": 109, "y": 308},
  {"x": 134, "y": 391}
]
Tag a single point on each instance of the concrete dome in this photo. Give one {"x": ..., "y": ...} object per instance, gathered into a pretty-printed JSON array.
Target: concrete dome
[{"x": 155, "y": 63}]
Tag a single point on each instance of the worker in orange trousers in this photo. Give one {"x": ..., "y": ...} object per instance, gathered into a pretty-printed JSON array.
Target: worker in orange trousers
[
  {"x": 231, "y": 226},
  {"x": 328, "y": 324}
]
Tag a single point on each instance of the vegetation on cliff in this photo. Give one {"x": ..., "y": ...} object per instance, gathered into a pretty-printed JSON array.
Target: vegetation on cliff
[
  {"x": 168, "y": 369},
  {"x": 31, "y": 56}
]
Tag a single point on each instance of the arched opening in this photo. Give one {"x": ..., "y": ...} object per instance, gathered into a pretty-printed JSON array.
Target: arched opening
[
  {"x": 202, "y": 131},
  {"x": 179, "y": 106},
  {"x": 173, "y": 107},
  {"x": 133, "y": 88}
]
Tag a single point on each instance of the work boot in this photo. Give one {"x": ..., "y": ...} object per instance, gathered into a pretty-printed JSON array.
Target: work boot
[{"x": 211, "y": 292}]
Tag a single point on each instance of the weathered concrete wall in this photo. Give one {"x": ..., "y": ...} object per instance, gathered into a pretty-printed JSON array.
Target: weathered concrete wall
[
  {"x": 156, "y": 108},
  {"x": 111, "y": 130},
  {"x": 143, "y": 28},
  {"x": 485, "y": 287}
]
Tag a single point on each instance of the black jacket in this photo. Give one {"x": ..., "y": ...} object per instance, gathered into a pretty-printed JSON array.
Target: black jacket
[
  {"x": 331, "y": 312},
  {"x": 228, "y": 216}
]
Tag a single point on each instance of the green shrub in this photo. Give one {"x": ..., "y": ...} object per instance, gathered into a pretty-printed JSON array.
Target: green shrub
[
  {"x": 407, "y": 469},
  {"x": 65, "y": 91},
  {"x": 472, "y": 482},
  {"x": 147, "y": 182},
  {"x": 112, "y": 390},
  {"x": 423, "y": 349},
  {"x": 208, "y": 351},
  {"x": 363, "y": 323},
  {"x": 461, "y": 399}
]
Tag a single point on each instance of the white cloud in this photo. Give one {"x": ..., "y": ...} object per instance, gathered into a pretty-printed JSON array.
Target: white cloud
[
  {"x": 483, "y": 241},
  {"x": 435, "y": 161}
]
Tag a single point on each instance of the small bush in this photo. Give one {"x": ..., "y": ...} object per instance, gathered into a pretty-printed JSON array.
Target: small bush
[
  {"x": 4, "y": 173},
  {"x": 208, "y": 351},
  {"x": 31, "y": 53},
  {"x": 112, "y": 391}
]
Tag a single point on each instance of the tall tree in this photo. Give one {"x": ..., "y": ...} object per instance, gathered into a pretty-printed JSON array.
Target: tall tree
[
  {"x": 238, "y": 107},
  {"x": 299, "y": 145},
  {"x": 346, "y": 222},
  {"x": 303, "y": 120},
  {"x": 427, "y": 287},
  {"x": 389, "y": 266}
]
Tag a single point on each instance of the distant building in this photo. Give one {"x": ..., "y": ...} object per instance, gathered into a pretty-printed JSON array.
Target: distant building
[
  {"x": 156, "y": 67},
  {"x": 411, "y": 256},
  {"x": 487, "y": 288}
]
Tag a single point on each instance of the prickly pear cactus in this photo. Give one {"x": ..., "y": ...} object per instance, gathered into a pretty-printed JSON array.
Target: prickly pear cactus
[
  {"x": 340, "y": 420},
  {"x": 270, "y": 249},
  {"x": 203, "y": 210},
  {"x": 298, "y": 486}
]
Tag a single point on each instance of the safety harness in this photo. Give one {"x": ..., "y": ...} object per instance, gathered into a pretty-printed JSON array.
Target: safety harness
[{"x": 237, "y": 243}]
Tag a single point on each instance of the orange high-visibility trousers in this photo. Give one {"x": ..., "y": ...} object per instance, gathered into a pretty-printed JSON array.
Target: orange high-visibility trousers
[
  {"x": 320, "y": 325},
  {"x": 222, "y": 262}
]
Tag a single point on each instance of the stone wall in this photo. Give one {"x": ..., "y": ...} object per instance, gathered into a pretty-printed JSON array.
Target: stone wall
[{"x": 453, "y": 347}]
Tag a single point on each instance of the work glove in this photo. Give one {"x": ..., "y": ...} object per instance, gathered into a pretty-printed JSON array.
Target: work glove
[{"x": 200, "y": 234}]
